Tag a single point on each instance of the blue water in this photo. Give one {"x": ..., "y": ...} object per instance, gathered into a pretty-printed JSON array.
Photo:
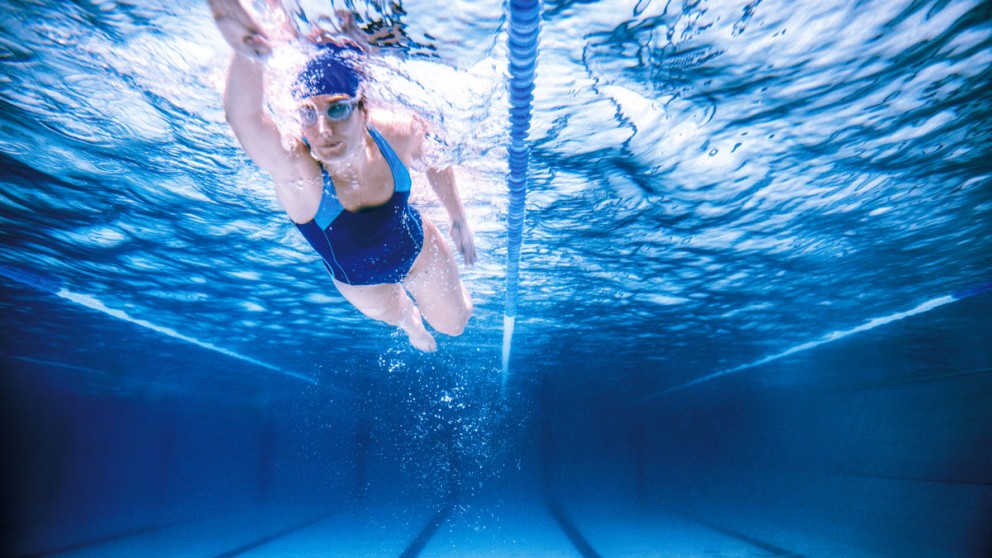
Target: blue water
[{"x": 753, "y": 314}]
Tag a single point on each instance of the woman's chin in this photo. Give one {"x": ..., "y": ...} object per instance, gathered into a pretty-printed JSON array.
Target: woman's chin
[{"x": 330, "y": 153}]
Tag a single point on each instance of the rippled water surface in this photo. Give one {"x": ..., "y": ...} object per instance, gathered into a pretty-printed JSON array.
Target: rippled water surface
[{"x": 712, "y": 181}]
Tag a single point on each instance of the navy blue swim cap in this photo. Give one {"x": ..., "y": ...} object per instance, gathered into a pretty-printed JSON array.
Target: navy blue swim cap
[{"x": 332, "y": 71}]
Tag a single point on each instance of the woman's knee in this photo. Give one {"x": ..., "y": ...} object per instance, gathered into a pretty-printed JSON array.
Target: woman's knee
[
  {"x": 454, "y": 329},
  {"x": 452, "y": 323}
]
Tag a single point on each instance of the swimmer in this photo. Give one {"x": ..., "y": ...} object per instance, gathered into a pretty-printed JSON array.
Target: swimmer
[{"x": 346, "y": 186}]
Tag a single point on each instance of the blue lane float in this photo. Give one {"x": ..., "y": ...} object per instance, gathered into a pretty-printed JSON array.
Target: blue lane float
[
  {"x": 524, "y": 30},
  {"x": 54, "y": 285}
]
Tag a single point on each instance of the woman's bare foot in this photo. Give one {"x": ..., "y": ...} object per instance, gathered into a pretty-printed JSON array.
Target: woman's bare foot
[{"x": 420, "y": 338}]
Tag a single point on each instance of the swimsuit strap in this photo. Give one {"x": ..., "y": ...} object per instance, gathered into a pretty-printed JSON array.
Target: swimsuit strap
[
  {"x": 401, "y": 176},
  {"x": 330, "y": 207}
]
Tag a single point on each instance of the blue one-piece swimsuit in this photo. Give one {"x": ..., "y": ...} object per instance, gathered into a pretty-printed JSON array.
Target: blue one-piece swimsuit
[{"x": 369, "y": 246}]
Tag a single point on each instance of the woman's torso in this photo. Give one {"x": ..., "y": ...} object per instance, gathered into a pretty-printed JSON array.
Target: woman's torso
[
  {"x": 301, "y": 198},
  {"x": 373, "y": 243}
]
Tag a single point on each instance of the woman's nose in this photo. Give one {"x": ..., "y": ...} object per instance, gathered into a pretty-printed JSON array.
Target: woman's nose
[{"x": 324, "y": 125}]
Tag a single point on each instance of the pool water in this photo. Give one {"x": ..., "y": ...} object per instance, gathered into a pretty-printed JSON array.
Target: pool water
[{"x": 754, "y": 309}]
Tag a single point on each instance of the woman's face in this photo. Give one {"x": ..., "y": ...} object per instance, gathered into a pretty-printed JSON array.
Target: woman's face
[{"x": 334, "y": 126}]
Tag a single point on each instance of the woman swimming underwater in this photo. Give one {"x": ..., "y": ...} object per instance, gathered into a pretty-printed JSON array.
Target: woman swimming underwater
[{"x": 346, "y": 185}]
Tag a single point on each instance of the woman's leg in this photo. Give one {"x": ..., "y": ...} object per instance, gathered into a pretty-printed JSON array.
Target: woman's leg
[
  {"x": 434, "y": 283},
  {"x": 389, "y": 303}
]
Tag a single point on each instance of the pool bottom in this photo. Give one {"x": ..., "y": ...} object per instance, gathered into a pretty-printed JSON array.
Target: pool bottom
[{"x": 519, "y": 528}]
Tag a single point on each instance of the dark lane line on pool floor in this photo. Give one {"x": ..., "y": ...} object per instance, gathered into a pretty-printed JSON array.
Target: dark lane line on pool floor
[
  {"x": 766, "y": 546},
  {"x": 418, "y": 544},
  {"x": 572, "y": 532},
  {"x": 275, "y": 536},
  {"x": 81, "y": 545}
]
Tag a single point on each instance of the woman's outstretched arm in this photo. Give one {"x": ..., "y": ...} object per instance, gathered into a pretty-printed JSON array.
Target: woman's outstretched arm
[{"x": 244, "y": 94}]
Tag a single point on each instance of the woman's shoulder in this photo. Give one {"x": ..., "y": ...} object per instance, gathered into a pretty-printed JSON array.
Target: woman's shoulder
[{"x": 404, "y": 130}]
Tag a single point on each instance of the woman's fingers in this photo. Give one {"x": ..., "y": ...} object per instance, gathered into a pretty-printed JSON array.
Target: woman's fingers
[
  {"x": 229, "y": 9},
  {"x": 468, "y": 247},
  {"x": 239, "y": 29},
  {"x": 250, "y": 42},
  {"x": 469, "y": 253},
  {"x": 462, "y": 236},
  {"x": 257, "y": 45}
]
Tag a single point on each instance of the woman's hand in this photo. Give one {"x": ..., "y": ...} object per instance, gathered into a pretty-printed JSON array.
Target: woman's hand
[
  {"x": 240, "y": 30},
  {"x": 443, "y": 183},
  {"x": 461, "y": 234}
]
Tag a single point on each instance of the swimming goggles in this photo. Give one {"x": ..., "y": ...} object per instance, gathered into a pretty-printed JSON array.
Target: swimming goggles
[{"x": 336, "y": 112}]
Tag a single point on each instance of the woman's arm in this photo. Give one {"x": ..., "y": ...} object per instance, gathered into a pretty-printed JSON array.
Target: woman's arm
[
  {"x": 444, "y": 185},
  {"x": 244, "y": 94},
  {"x": 254, "y": 128},
  {"x": 407, "y": 134},
  {"x": 239, "y": 29},
  {"x": 442, "y": 181}
]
